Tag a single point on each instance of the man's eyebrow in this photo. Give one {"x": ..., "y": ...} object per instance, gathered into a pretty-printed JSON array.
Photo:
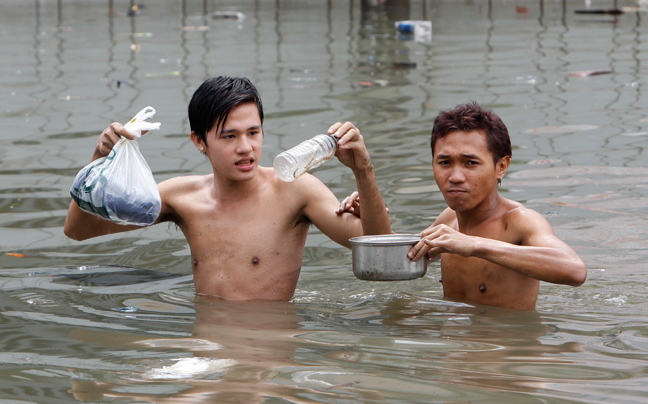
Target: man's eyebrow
[
  {"x": 254, "y": 127},
  {"x": 464, "y": 155}
]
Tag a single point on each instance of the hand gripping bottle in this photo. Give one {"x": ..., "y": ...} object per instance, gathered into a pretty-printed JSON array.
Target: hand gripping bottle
[{"x": 292, "y": 163}]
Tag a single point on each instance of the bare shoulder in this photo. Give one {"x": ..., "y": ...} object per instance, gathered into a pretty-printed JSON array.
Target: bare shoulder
[
  {"x": 447, "y": 217},
  {"x": 306, "y": 188},
  {"x": 177, "y": 190},
  {"x": 185, "y": 183},
  {"x": 517, "y": 213},
  {"x": 526, "y": 223}
]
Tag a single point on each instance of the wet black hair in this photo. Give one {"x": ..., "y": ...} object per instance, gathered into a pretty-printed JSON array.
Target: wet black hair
[
  {"x": 471, "y": 116},
  {"x": 212, "y": 102}
]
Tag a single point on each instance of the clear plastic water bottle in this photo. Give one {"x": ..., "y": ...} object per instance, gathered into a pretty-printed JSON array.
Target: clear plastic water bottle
[{"x": 311, "y": 153}]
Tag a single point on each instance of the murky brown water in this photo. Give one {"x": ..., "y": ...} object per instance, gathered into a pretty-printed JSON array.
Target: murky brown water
[{"x": 115, "y": 319}]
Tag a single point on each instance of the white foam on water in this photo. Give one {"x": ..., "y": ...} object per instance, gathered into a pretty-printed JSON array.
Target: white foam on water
[{"x": 190, "y": 367}]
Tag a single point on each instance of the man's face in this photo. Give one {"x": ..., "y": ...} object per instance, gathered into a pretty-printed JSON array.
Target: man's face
[
  {"x": 464, "y": 170},
  {"x": 236, "y": 150}
]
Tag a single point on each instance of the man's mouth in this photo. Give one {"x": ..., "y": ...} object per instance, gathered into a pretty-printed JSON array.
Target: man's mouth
[{"x": 245, "y": 162}]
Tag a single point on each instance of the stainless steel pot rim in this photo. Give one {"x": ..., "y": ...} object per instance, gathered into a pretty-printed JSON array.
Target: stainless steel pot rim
[{"x": 386, "y": 239}]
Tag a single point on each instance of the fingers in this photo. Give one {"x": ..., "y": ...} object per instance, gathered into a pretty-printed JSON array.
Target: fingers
[
  {"x": 334, "y": 128},
  {"x": 350, "y": 204},
  {"x": 345, "y": 133},
  {"x": 119, "y": 129},
  {"x": 418, "y": 251},
  {"x": 424, "y": 249},
  {"x": 428, "y": 246},
  {"x": 110, "y": 136}
]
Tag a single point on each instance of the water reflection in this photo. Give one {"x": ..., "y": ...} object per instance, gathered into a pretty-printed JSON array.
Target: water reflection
[
  {"x": 256, "y": 350},
  {"x": 340, "y": 340}
]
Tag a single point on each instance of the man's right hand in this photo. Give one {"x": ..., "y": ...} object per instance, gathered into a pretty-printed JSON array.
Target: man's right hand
[{"x": 109, "y": 137}]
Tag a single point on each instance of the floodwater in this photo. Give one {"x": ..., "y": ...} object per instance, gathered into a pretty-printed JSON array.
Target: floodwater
[{"x": 116, "y": 319}]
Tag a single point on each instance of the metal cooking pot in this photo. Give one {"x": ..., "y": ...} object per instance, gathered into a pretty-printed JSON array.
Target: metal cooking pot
[{"x": 384, "y": 258}]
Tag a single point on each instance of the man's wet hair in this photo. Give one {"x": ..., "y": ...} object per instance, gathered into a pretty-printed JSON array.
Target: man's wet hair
[
  {"x": 472, "y": 117},
  {"x": 212, "y": 102}
]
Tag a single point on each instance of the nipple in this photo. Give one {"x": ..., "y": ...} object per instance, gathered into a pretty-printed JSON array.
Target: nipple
[
  {"x": 482, "y": 287},
  {"x": 255, "y": 261}
]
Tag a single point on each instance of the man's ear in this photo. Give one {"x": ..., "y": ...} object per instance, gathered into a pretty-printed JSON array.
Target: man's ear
[
  {"x": 502, "y": 166},
  {"x": 197, "y": 141}
]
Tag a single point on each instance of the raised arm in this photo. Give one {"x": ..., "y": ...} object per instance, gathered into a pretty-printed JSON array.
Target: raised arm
[
  {"x": 80, "y": 225},
  {"x": 353, "y": 153}
]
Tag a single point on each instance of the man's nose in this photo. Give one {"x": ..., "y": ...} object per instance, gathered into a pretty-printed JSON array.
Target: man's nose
[
  {"x": 244, "y": 145},
  {"x": 457, "y": 175}
]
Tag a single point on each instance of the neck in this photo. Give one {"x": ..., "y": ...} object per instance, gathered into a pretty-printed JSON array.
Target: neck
[
  {"x": 479, "y": 214},
  {"x": 227, "y": 190}
]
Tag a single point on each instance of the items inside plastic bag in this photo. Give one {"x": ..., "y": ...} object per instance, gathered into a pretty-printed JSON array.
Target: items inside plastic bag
[{"x": 120, "y": 187}]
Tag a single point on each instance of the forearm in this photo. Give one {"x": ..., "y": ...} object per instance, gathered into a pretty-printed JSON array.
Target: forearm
[
  {"x": 80, "y": 225},
  {"x": 549, "y": 264},
  {"x": 374, "y": 218}
]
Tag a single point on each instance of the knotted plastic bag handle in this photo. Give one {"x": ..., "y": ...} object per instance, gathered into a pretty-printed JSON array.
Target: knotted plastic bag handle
[{"x": 138, "y": 124}]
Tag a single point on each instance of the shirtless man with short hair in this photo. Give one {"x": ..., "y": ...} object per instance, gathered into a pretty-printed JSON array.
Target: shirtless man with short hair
[
  {"x": 493, "y": 250},
  {"x": 245, "y": 227}
]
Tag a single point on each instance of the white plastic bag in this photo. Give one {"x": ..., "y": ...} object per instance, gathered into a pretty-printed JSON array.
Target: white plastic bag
[{"x": 120, "y": 187}]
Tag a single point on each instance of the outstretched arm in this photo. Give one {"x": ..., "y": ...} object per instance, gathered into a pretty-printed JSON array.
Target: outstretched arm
[{"x": 540, "y": 254}]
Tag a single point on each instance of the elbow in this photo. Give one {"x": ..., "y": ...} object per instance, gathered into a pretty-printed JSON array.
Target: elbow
[
  {"x": 72, "y": 233},
  {"x": 578, "y": 275}
]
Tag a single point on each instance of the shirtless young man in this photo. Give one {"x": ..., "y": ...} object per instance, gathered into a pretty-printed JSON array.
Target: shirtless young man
[
  {"x": 493, "y": 250},
  {"x": 245, "y": 227}
]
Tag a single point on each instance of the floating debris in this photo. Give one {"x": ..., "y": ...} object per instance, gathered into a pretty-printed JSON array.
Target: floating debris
[
  {"x": 404, "y": 65},
  {"x": 127, "y": 309},
  {"x": 421, "y": 31},
  {"x": 228, "y": 15},
  {"x": 561, "y": 129},
  {"x": 609, "y": 11},
  {"x": 16, "y": 255},
  {"x": 133, "y": 11},
  {"x": 588, "y": 73},
  {"x": 169, "y": 74},
  {"x": 195, "y": 28},
  {"x": 380, "y": 83}
]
